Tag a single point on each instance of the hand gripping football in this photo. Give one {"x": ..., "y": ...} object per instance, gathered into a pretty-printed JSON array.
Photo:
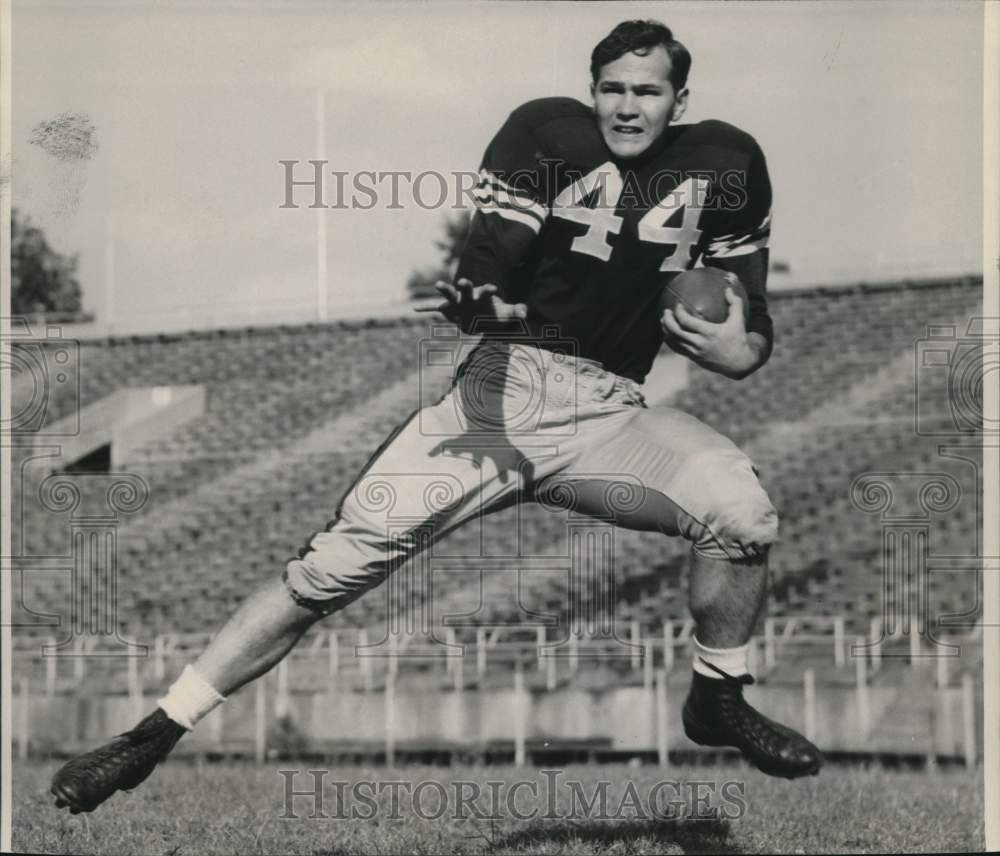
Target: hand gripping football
[{"x": 702, "y": 291}]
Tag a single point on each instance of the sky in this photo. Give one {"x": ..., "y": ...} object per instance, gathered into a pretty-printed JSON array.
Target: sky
[{"x": 870, "y": 115}]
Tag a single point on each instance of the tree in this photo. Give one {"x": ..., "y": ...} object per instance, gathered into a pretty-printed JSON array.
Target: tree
[
  {"x": 420, "y": 284},
  {"x": 43, "y": 280}
]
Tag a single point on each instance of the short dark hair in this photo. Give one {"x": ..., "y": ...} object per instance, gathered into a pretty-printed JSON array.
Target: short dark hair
[{"x": 641, "y": 37}]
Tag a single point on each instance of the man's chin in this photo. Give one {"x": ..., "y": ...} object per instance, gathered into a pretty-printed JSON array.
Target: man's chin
[{"x": 626, "y": 149}]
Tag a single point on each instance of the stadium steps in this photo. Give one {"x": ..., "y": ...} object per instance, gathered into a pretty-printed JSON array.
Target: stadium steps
[
  {"x": 188, "y": 549},
  {"x": 265, "y": 388},
  {"x": 191, "y": 555}
]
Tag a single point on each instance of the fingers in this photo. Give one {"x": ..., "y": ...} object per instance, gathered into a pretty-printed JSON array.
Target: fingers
[
  {"x": 447, "y": 309},
  {"x": 688, "y": 337},
  {"x": 669, "y": 323},
  {"x": 735, "y": 307},
  {"x": 447, "y": 290},
  {"x": 469, "y": 293},
  {"x": 679, "y": 347},
  {"x": 692, "y": 322},
  {"x": 464, "y": 301},
  {"x": 463, "y": 291}
]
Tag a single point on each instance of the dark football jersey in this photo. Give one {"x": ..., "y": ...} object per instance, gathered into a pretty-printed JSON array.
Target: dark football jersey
[{"x": 588, "y": 241}]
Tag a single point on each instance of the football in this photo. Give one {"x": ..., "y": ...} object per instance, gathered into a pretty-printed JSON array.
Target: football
[{"x": 702, "y": 291}]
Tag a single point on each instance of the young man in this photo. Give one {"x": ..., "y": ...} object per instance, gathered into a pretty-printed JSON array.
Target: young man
[{"x": 583, "y": 215}]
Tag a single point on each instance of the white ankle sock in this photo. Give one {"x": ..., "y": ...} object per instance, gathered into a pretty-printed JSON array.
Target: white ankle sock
[
  {"x": 190, "y": 698},
  {"x": 732, "y": 661}
]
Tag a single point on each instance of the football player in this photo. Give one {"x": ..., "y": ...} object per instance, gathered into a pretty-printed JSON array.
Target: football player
[{"x": 583, "y": 214}]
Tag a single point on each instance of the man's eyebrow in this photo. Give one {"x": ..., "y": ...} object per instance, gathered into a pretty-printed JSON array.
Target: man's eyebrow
[{"x": 635, "y": 86}]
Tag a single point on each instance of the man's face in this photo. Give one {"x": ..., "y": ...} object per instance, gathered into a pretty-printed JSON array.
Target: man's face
[{"x": 635, "y": 101}]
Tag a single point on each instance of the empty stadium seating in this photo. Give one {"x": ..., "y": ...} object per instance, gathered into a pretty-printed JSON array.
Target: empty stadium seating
[{"x": 293, "y": 413}]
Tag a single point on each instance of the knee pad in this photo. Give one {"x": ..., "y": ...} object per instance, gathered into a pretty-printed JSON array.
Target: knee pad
[
  {"x": 340, "y": 564},
  {"x": 740, "y": 521}
]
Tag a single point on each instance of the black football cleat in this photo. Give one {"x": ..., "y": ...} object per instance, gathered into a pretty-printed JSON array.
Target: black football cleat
[
  {"x": 124, "y": 763},
  {"x": 716, "y": 714}
]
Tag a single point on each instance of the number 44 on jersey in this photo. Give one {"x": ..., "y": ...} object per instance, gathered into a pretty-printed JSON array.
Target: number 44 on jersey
[{"x": 593, "y": 201}]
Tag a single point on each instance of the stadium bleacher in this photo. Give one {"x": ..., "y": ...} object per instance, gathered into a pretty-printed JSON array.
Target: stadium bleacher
[{"x": 292, "y": 413}]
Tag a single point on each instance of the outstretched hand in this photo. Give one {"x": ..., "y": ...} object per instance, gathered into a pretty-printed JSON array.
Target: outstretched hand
[
  {"x": 724, "y": 348},
  {"x": 465, "y": 303}
]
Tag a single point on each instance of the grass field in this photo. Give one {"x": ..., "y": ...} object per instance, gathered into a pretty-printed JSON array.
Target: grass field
[{"x": 237, "y": 808}]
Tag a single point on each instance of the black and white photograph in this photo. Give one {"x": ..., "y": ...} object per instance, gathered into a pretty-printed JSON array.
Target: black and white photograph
[{"x": 475, "y": 427}]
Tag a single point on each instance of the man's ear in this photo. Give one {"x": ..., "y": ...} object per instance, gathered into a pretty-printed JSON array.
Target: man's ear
[
  {"x": 680, "y": 104},
  {"x": 593, "y": 90}
]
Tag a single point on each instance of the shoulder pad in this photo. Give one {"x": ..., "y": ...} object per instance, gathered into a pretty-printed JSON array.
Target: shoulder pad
[
  {"x": 542, "y": 110},
  {"x": 718, "y": 133},
  {"x": 563, "y": 129}
]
